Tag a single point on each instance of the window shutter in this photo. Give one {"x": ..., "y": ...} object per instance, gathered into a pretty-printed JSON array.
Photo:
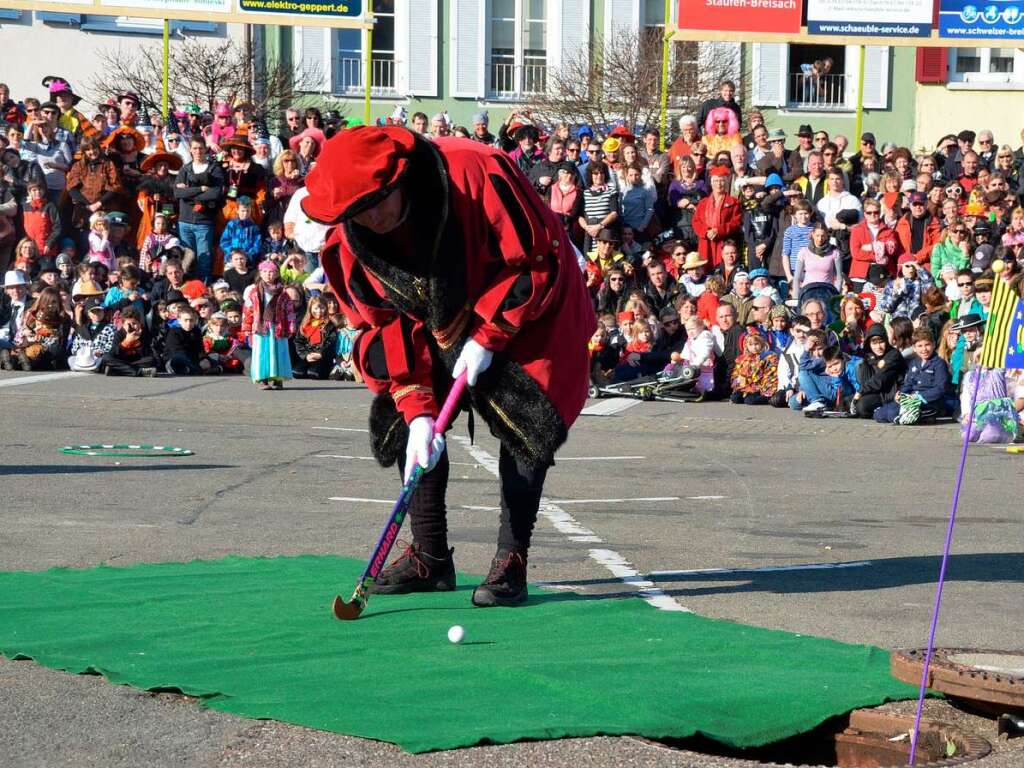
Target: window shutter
[
  {"x": 314, "y": 55},
  {"x": 932, "y": 64},
  {"x": 416, "y": 42},
  {"x": 568, "y": 31},
  {"x": 620, "y": 16},
  {"x": 770, "y": 65},
  {"x": 468, "y": 57},
  {"x": 876, "y": 76}
]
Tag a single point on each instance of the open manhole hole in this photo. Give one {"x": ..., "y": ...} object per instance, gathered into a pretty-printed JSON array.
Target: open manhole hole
[
  {"x": 864, "y": 738},
  {"x": 990, "y": 681}
]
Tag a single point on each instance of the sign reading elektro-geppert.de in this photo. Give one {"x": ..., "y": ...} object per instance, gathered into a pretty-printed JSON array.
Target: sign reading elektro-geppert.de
[
  {"x": 871, "y": 18},
  {"x": 345, "y": 8}
]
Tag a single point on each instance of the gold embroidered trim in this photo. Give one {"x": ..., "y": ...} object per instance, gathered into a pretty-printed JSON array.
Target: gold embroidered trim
[
  {"x": 394, "y": 425},
  {"x": 511, "y": 425},
  {"x": 401, "y": 392},
  {"x": 447, "y": 337}
]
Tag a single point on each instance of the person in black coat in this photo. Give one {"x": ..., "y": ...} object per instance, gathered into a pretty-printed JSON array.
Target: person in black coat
[
  {"x": 183, "y": 347},
  {"x": 879, "y": 372},
  {"x": 130, "y": 352}
]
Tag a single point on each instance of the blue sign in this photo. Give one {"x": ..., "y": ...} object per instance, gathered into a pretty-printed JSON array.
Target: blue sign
[{"x": 1000, "y": 20}]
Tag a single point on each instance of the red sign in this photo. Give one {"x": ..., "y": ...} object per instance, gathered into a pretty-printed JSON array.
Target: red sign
[{"x": 740, "y": 15}]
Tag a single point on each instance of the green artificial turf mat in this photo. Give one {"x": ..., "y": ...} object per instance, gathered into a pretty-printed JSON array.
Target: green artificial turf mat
[{"x": 256, "y": 637}]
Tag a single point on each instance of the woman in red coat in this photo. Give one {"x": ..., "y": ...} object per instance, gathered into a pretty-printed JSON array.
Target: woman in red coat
[
  {"x": 872, "y": 241},
  {"x": 718, "y": 217},
  {"x": 447, "y": 258}
]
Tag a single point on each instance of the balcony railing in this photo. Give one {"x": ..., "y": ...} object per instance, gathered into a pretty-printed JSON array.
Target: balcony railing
[
  {"x": 511, "y": 82},
  {"x": 821, "y": 92},
  {"x": 349, "y": 79}
]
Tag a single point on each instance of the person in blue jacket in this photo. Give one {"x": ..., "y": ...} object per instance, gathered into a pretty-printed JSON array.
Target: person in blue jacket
[
  {"x": 922, "y": 393},
  {"x": 242, "y": 234}
]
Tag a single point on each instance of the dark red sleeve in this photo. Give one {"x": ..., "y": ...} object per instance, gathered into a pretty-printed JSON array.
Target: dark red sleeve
[{"x": 526, "y": 237}]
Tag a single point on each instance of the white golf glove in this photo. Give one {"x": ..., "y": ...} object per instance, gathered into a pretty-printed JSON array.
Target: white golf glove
[
  {"x": 424, "y": 447},
  {"x": 474, "y": 360}
]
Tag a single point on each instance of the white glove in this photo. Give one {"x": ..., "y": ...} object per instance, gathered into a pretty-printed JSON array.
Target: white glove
[
  {"x": 474, "y": 360},
  {"x": 424, "y": 447}
]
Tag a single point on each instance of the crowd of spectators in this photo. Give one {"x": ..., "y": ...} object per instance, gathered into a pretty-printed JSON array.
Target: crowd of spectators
[{"x": 792, "y": 270}]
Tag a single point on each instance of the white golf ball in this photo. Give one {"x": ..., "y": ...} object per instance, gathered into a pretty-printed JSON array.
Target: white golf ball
[{"x": 456, "y": 633}]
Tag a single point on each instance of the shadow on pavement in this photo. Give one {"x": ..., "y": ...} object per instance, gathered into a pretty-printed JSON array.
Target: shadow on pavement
[
  {"x": 883, "y": 573},
  {"x": 64, "y": 469}
]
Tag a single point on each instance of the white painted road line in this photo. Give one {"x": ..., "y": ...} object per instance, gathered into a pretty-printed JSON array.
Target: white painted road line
[
  {"x": 626, "y": 573},
  {"x": 614, "y": 501},
  {"x": 705, "y": 498},
  {"x": 565, "y": 523},
  {"x": 599, "y": 458},
  {"x": 343, "y": 429},
  {"x": 361, "y": 500},
  {"x": 610, "y": 407},
  {"x": 343, "y": 456},
  {"x": 41, "y": 378},
  {"x": 765, "y": 569}
]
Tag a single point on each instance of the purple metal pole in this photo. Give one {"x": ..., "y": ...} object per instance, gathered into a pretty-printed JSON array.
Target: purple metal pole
[{"x": 942, "y": 570}]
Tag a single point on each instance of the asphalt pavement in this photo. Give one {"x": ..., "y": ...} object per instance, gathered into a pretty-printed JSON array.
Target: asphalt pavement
[{"x": 828, "y": 527}]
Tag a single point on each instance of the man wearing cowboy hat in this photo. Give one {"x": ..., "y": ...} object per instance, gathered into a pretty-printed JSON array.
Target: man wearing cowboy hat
[
  {"x": 445, "y": 256},
  {"x": 12, "y": 312},
  {"x": 71, "y": 120}
]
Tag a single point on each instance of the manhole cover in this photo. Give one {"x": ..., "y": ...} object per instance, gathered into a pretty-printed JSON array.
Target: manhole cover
[
  {"x": 864, "y": 738},
  {"x": 989, "y": 680}
]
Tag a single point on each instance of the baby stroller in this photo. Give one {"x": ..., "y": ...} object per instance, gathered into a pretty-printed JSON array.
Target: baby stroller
[{"x": 677, "y": 387}]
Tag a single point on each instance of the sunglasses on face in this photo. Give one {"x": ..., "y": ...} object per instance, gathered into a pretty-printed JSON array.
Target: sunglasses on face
[{"x": 872, "y": 213}]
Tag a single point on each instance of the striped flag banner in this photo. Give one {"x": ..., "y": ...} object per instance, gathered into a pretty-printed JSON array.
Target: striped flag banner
[{"x": 1003, "y": 345}]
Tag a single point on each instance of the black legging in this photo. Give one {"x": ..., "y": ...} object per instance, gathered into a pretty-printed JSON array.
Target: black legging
[
  {"x": 865, "y": 404},
  {"x": 521, "y": 489}
]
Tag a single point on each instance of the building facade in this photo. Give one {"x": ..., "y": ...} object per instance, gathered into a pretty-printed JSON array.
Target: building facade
[{"x": 34, "y": 44}]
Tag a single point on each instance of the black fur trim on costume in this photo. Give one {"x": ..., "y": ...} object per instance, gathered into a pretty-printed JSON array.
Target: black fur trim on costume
[
  {"x": 388, "y": 431},
  {"x": 505, "y": 393}
]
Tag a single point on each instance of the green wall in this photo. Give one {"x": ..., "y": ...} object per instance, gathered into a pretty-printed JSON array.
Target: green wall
[
  {"x": 460, "y": 110},
  {"x": 895, "y": 124}
]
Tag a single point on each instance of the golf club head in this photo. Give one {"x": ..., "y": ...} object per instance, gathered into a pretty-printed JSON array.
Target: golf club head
[{"x": 347, "y": 611}]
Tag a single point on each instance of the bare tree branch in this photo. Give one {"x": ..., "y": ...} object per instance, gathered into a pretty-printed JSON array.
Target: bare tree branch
[
  {"x": 621, "y": 81},
  {"x": 201, "y": 72}
]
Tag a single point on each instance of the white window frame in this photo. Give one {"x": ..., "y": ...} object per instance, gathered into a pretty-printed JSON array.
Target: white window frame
[
  {"x": 336, "y": 56},
  {"x": 519, "y": 51},
  {"x": 984, "y": 78}
]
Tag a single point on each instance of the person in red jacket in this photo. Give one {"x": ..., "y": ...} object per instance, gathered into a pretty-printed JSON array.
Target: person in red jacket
[
  {"x": 446, "y": 258},
  {"x": 717, "y": 218},
  {"x": 872, "y": 241},
  {"x": 41, "y": 220},
  {"x": 919, "y": 231}
]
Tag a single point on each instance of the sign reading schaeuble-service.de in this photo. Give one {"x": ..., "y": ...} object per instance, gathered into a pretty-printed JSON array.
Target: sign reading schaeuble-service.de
[
  {"x": 740, "y": 15},
  {"x": 876, "y": 18}
]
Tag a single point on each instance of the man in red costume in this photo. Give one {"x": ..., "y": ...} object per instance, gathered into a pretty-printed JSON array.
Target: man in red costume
[{"x": 446, "y": 258}]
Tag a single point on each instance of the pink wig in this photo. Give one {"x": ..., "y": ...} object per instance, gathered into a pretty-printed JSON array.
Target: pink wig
[{"x": 721, "y": 113}]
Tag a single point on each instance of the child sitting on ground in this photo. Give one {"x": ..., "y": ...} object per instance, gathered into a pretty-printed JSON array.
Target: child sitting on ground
[
  {"x": 755, "y": 374},
  {"x": 183, "y": 347},
  {"x": 343, "y": 370},
  {"x": 94, "y": 336},
  {"x": 603, "y": 356},
  {"x": 220, "y": 345},
  {"x": 315, "y": 342},
  {"x": 699, "y": 351},
  {"x": 879, "y": 372},
  {"x": 923, "y": 390},
  {"x": 130, "y": 352}
]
